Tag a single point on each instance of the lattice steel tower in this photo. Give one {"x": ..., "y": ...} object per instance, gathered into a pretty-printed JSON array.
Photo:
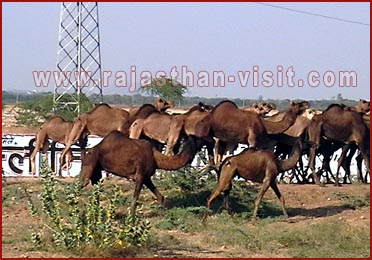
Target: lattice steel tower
[{"x": 78, "y": 57}]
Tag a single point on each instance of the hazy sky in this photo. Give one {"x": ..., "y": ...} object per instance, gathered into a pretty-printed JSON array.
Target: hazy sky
[{"x": 227, "y": 37}]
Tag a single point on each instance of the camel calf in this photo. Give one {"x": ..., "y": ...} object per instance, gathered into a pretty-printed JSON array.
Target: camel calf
[{"x": 258, "y": 166}]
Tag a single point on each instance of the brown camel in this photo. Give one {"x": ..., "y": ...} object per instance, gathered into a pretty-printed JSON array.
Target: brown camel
[
  {"x": 133, "y": 159},
  {"x": 100, "y": 121},
  {"x": 165, "y": 128},
  {"x": 56, "y": 129},
  {"x": 255, "y": 165},
  {"x": 230, "y": 125},
  {"x": 159, "y": 103},
  {"x": 338, "y": 124},
  {"x": 261, "y": 108},
  {"x": 363, "y": 106}
]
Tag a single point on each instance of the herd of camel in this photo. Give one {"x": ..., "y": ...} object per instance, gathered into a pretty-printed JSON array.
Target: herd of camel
[{"x": 133, "y": 142}]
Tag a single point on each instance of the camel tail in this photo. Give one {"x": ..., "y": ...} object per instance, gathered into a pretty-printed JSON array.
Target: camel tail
[{"x": 291, "y": 162}]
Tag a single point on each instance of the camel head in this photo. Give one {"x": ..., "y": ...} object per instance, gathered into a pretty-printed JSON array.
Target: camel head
[
  {"x": 264, "y": 108},
  {"x": 299, "y": 107},
  {"x": 89, "y": 170},
  {"x": 363, "y": 106},
  {"x": 162, "y": 104},
  {"x": 192, "y": 145},
  {"x": 205, "y": 108},
  {"x": 309, "y": 113}
]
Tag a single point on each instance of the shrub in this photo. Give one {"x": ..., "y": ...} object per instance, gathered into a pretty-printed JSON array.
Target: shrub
[{"x": 75, "y": 224}]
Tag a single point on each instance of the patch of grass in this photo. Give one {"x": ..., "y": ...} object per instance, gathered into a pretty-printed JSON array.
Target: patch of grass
[
  {"x": 325, "y": 240},
  {"x": 353, "y": 202}
]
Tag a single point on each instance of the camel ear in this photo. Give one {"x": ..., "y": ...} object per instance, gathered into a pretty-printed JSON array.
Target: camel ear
[{"x": 255, "y": 106}]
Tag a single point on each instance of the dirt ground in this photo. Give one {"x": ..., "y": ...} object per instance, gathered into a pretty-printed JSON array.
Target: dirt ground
[{"x": 308, "y": 204}]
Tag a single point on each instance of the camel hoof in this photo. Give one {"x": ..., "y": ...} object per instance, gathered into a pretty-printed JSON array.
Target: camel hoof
[{"x": 254, "y": 220}]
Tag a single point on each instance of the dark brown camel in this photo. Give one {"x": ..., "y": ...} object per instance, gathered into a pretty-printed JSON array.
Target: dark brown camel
[
  {"x": 341, "y": 125},
  {"x": 255, "y": 165},
  {"x": 133, "y": 159},
  {"x": 56, "y": 129}
]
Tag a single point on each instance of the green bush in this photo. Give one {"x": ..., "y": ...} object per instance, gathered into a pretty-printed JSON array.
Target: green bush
[
  {"x": 73, "y": 223},
  {"x": 37, "y": 111}
]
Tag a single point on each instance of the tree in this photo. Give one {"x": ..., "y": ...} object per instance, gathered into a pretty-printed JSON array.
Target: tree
[{"x": 165, "y": 88}]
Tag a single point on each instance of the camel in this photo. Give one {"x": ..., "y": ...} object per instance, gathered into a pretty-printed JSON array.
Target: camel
[
  {"x": 363, "y": 107},
  {"x": 159, "y": 103},
  {"x": 261, "y": 108},
  {"x": 56, "y": 129},
  {"x": 344, "y": 160},
  {"x": 100, "y": 121},
  {"x": 230, "y": 125},
  {"x": 341, "y": 125},
  {"x": 255, "y": 165},
  {"x": 165, "y": 128},
  {"x": 133, "y": 159}
]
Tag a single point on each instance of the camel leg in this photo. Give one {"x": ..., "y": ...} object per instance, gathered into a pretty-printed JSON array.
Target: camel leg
[
  {"x": 217, "y": 152},
  {"x": 252, "y": 138},
  {"x": 32, "y": 159},
  {"x": 42, "y": 144},
  {"x": 209, "y": 143},
  {"x": 173, "y": 135},
  {"x": 265, "y": 185},
  {"x": 67, "y": 164},
  {"x": 314, "y": 136},
  {"x": 340, "y": 161},
  {"x": 312, "y": 165},
  {"x": 149, "y": 184},
  {"x": 366, "y": 162},
  {"x": 274, "y": 186},
  {"x": 224, "y": 182},
  {"x": 226, "y": 197},
  {"x": 359, "y": 160},
  {"x": 347, "y": 162},
  {"x": 137, "y": 191}
]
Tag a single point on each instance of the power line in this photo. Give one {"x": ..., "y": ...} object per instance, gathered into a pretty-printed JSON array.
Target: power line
[{"x": 315, "y": 14}]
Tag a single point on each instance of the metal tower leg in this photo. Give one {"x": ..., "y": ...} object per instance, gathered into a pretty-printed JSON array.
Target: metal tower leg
[{"x": 78, "y": 57}]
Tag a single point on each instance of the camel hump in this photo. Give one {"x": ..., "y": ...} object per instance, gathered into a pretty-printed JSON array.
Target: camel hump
[
  {"x": 226, "y": 102},
  {"x": 102, "y": 105},
  {"x": 55, "y": 118},
  {"x": 334, "y": 105}
]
